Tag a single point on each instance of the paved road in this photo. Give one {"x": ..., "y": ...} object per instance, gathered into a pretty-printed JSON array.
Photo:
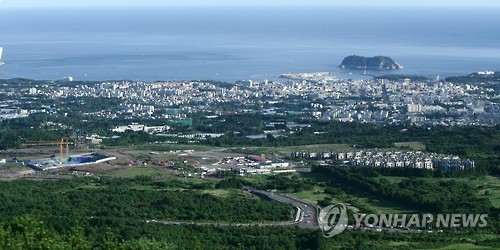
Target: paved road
[{"x": 308, "y": 217}]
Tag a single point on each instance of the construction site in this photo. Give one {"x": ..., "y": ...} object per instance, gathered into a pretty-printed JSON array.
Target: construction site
[{"x": 64, "y": 159}]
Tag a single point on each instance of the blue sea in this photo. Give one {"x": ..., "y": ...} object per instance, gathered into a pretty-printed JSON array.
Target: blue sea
[{"x": 240, "y": 43}]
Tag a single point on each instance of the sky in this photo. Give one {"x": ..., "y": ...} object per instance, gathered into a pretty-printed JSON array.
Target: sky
[{"x": 99, "y": 3}]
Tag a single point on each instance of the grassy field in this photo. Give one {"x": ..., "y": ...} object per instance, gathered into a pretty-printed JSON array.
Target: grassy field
[
  {"x": 11, "y": 166},
  {"x": 380, "y": 206},
  {"x": 464, "y": 246},
  {"x": 487, "y": 186},
  {"x": 398, "y": 243},
  {"x": 491, "y": 186},
  {"x": 357, "y": 201},
  {"x": 221, "y": 192},
  {"x": 130, "y": 172},
  {"x": 311, "y": 196},
  {"x": 186, "y": 180}
]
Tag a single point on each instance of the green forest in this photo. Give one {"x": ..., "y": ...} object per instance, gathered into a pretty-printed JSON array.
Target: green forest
[
  {"x": 111, "y": 213},
  {"x": 132, "y": 199},
  {"x": 426, "y": 195}
]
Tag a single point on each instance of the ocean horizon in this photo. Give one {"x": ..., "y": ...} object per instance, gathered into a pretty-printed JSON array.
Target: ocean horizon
[{"x": 242, "y": 43}]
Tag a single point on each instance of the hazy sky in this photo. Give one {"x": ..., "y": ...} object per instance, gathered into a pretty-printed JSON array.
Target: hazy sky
[{"x": 69, "y": 3}]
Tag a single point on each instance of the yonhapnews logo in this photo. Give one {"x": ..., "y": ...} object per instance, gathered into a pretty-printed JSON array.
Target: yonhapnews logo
[{"x": 333, "y": 220}]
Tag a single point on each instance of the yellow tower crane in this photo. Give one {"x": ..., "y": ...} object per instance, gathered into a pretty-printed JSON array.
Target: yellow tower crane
[{"x": 63, "y": 143}]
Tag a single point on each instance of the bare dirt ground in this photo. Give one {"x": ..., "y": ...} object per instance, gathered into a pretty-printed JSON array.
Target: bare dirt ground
[
  {"x": 29, "y": 153},
  {"x": 100, "y": 168},
  {"x": 136, "y": 156}
]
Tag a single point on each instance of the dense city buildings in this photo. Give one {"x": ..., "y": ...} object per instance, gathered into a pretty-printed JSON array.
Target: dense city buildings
[{"x": 430, "y": 102}]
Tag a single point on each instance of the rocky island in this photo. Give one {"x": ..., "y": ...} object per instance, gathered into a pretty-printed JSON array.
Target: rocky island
[{"x": 369, "y": 63}]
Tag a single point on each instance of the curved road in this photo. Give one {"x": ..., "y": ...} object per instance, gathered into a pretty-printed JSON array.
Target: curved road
[{"x": 308, "y": 217}]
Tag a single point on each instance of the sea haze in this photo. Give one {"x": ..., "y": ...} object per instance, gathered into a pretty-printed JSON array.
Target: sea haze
[{"x": 238, "y": 43}]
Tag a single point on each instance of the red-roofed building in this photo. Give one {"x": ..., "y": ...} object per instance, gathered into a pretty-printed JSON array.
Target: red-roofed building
[{"x": 258, "y": 159}]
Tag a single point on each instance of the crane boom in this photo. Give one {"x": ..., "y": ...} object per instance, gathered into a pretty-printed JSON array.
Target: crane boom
[{"x": 61, "y": 144}]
